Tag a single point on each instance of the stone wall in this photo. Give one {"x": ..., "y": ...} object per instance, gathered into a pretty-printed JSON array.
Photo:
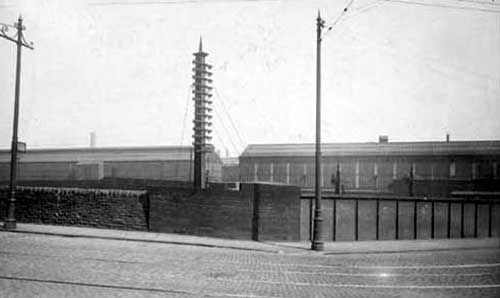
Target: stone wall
[
  {"x": 115, "y": 209},
  {"x": 108, "y": 183},
  {"x": 255, "y": 211}
]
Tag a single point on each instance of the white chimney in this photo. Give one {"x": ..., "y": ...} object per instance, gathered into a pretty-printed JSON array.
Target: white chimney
[{"x": 92, "y": 139}]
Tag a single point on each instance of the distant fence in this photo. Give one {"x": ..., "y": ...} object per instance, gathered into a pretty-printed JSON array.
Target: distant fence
[{"x": 383, "y": 217}]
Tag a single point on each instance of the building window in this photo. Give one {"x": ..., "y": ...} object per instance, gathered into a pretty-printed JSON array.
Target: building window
[
  {"x": 453, "y": 169},
  {"x": 356, "y": 182},
  {"x": 394, "y": 171},
  {"x": 288, "y": 173},
  {"x": 474, "y": 170},
  {"x": 495, "y": 170},
  {"x": 271, "y": 173},
  {"x": 255, "y": 172},
  {"x": 304, "y": 175}
]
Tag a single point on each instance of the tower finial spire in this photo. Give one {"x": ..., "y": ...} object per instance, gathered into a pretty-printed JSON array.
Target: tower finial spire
[{"x": 201, "y": 45}]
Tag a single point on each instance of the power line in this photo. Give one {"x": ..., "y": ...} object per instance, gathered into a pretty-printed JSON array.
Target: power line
[
  {"x": 231, "y": 134},
  {"x": 447, "y": 71},
  {"x": 216, "y": 134},
  {"x": 190, "y": 88},
  {"x": 444, "y": 6},
  {"x": 363, "y": 9},
  {"x": 329, "y": 28},
  {"x": 229, "y": 116},
  {"x": 122, "y": 3},
  {"x": 492, "y": 3},
  {"x": 227, "y": 132}
]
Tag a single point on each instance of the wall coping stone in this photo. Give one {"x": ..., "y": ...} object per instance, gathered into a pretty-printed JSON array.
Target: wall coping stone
[{"x": 59, "y": 190}]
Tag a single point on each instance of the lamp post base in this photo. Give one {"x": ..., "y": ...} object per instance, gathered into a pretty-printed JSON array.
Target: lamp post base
[
  {"x": 318, "y": 246},
  {"x": 317, "y": 243},
  {"x": 9, "y": 224}
]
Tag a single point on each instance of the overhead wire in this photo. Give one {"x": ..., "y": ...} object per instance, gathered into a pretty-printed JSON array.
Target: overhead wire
[
  {"x": 448, "y": 72},
  {"x": 236, "y": 130},
  {"x": 227, "y": 132},
  {"x": 431, "y": 67},
  {"x": 492, "y": 3},
  {"x": 344, "y": 11},
  {"x": 379, "y": 2},
  {"x": 169, "y": 2},
  {"x": 186, "y": 108},
  {"x": 363, "y": 9},
  {"x": 470, "y": 8}
]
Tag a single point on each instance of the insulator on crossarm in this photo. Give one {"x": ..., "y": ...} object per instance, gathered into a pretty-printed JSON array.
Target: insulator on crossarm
[
  {"x": 202, "y": 78},
  {"x": 202, "y": 70},
  {"x": 202, "y": 93},
  {"x": 204, "y": 115},
  {"x": 204, "y": 108},
  {"x": 203, "y": 122},
  {"x": 202, "y": 64},
  {"x": 201, "y": 85}
]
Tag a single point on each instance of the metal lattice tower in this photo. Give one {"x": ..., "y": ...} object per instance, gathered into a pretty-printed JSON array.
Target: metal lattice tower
[{"x": 202, "y": 109}]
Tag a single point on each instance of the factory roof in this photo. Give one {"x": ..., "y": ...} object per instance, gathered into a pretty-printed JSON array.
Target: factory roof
[
  {"x": 88, "y": 154},
  {"x": 491, "y": 147}
]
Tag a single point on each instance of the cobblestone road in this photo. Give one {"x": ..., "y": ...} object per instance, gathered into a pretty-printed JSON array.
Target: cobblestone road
[{"x": 52, "y": 266}]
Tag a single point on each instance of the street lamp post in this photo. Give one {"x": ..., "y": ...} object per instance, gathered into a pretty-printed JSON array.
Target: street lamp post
[
  {"x": 317, "y": 239},
  {"x": 10, "y": 219}
]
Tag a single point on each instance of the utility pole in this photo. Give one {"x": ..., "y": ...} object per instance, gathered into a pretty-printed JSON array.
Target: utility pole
[
  {"x": 10, "y": 219},
  {"x": 317, "y": 239},
  {"x": 202, "y": 116}
]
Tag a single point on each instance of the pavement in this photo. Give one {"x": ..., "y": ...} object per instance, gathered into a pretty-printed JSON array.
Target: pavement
[
  {"x": 57, "y": 261},
  {"x": 330, "y": 248}
]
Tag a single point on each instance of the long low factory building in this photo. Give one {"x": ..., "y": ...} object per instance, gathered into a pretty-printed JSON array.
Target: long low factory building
[
  {"x": 160, "y": 162},
  {"x": 375, "y": 167}
]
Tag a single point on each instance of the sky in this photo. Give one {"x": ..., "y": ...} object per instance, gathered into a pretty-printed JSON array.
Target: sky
[{"x": 412, "y": 69}]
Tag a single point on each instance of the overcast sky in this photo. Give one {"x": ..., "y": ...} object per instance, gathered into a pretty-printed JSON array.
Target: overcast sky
[{"x": 410, "y": 71}]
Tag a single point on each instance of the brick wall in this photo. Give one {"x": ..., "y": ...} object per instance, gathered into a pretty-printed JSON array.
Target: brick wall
[
  {"x": 256, "y": 211},
  {"x": 212, "y": 212},
  {"x": 278, "y": 212},
  {"x": 116, "y": 209}
]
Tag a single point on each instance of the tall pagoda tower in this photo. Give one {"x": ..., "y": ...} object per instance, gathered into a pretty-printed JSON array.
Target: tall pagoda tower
[{"x": 202, "y": 116}]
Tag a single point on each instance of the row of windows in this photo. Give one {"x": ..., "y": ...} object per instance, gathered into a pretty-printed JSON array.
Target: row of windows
[{"x": 418, "y": 171}]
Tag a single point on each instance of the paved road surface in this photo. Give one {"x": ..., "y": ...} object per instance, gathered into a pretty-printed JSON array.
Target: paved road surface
[{"x": 53, "y": 266}]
